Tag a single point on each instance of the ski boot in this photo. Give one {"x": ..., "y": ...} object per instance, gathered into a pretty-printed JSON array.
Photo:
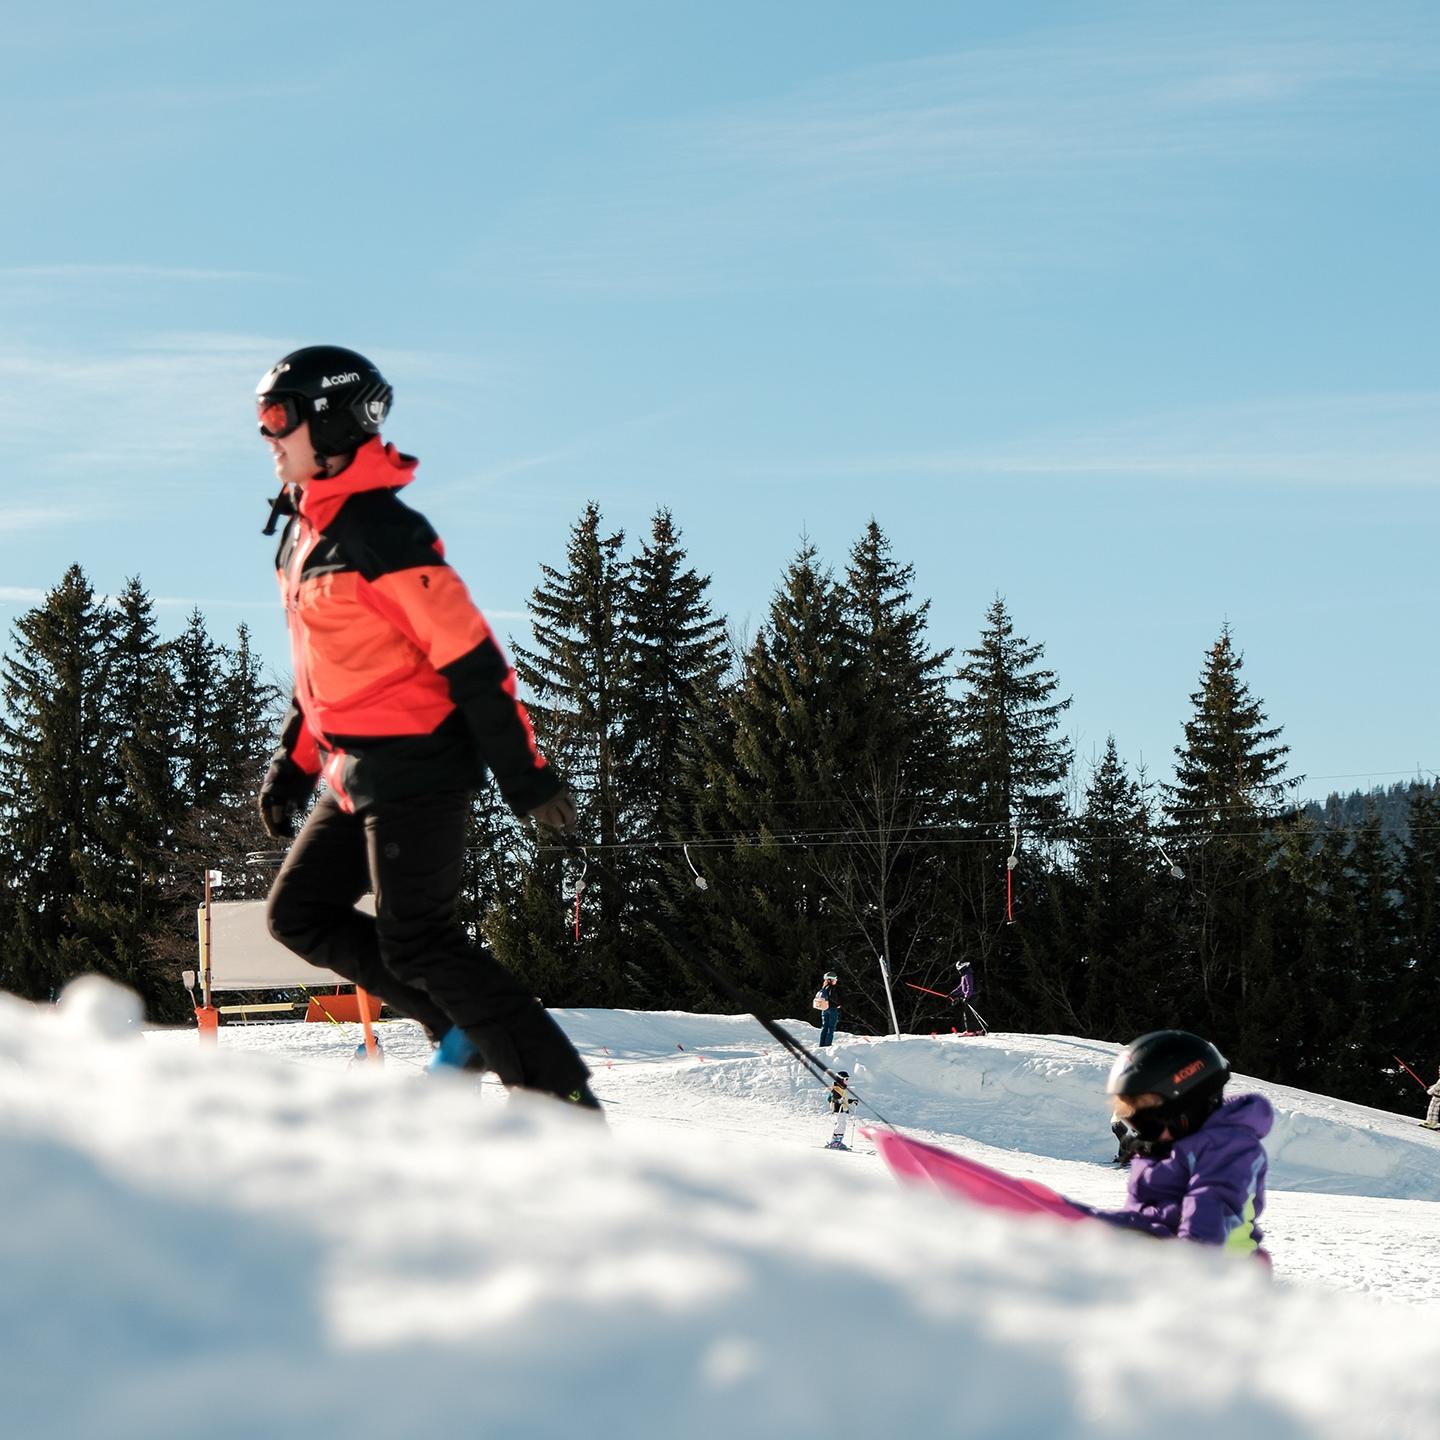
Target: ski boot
[{"x": 456, "y": 1051}]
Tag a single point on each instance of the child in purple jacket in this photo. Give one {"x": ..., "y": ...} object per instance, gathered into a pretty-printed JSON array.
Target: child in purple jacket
[{"x": 1199, "y": 1166}]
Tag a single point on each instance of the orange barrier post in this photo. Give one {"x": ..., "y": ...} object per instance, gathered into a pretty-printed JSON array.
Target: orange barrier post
[{"x": 207, "y": 1017}]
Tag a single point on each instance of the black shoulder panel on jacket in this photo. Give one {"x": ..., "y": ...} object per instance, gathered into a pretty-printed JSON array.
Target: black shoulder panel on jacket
[
  {"x": 379, "y": 534},
  {"x": 286, "y": 546}
]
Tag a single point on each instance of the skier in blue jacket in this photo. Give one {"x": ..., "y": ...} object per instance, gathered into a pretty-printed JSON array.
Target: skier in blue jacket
[{"x": 1199, "y": 1166}]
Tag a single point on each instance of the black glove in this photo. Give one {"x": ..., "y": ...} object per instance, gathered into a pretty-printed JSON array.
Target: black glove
[
  {"x": 558, "y": 812},
  {"x": 283, "y": 795}
]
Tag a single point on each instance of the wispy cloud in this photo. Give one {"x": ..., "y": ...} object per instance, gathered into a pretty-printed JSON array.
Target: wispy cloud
[
  {"x": 112, "y": 272},
  {"x": 985, "y": 161},
  {"x": 192, "y": 602},
  {"x": 1370, "y": 440},
  {"x": 579, "y": 447},
  {"x": 145, "y": 414},
  {"x": 142, "y": 413},
  {"x": 17, "y": 519},
  {"x": 1095, "y": 96}
]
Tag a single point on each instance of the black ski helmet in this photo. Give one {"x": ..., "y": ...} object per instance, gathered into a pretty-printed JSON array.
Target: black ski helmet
[
  {"x": 1167, "y": 1063},
  {"x": 1186, "y": 1072},
  {"x": 341, "y": 393}
]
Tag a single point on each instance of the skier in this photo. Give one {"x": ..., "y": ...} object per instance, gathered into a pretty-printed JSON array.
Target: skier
[
  {"x": 1199, "y": 1167},
  {"x": 841, "y": 1104},
  {"x": 963, "y": 993},
  {"x": 362, "y": 1055},
  {"x": 402, "y": 702},
  {"x": 1432, "y": 1113},
  {"x": 1126, "y": 1139},
  {"x": 828, "y": 1006}
]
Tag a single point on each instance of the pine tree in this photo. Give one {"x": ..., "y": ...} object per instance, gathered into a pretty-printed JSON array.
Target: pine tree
[
  {"x": 1372, "y": 984},
  {"x": 1224, "y": 809},
  {"x": 1415, "y": 1030},
  {"x": 764, "y": 806},
  {"x": 243, "y": 729},
  {"x": 198, "y": 684},
  {"x": 575, "y": 673},
  {"x": 676, "y": 654},
  {"x": 55, "y": 779},
  {"x": 118, "y": 903},
  {"x": 226, "y": 719},
  {"x": 1116, "y": 972},
  {"x": 1014, "y": 765},
  {"x": 889, "y": 876},
  {"x": 1304, "y": 926},
  {"x": 1014, "y": 762}
]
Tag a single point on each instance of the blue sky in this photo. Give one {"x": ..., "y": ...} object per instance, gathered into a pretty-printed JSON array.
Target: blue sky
[{"x": 1127, "y": 312}]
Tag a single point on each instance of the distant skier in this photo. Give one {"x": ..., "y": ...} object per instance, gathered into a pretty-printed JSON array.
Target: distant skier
[
  {"x": 841, "y": 1104},
  {"x": 362, "y": 1054},
  {"x": 827, "y": 1003},
  {"x": 1199, "y": 1167},
  {"x": 1432, "y": 1114},
  {"x": 963, "y": 993},
  {"x": 1126, "y": 1139}
]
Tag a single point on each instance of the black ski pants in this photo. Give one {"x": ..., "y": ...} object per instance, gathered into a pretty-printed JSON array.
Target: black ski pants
[{"x": 412, "y": 953}]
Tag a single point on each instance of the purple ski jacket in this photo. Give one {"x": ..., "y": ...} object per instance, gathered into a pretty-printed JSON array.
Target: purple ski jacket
[{"x": 1211, "y": 1186}]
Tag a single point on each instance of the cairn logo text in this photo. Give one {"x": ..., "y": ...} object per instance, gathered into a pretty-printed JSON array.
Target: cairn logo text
[{"x": 348, "y": 378}]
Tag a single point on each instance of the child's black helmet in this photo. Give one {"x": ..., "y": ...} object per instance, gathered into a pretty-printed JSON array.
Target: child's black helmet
[
  {"x": 1170, "y": 1064},
  {"x": 341, "y": 393},
  {"x": 1186, "y": 1072}
]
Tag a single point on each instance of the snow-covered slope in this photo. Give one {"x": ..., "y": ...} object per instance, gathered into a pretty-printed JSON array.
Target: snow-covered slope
[{"x": 267, "y": 1240}]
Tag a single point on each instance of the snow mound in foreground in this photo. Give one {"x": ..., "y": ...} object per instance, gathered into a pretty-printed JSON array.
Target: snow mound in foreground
[{"x": 223, "y": 1244}]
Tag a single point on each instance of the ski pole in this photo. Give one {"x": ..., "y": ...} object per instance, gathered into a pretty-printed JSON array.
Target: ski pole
[
  {"x": 801, "y": 1052},
  {"x": 927, "y": 990},
  {"x": 1411, "y": 1073},
  {"x": 968, "y": 1006}
]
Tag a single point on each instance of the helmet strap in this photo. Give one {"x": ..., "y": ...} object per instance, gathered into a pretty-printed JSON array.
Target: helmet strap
[{"x": 280, "y": 505}]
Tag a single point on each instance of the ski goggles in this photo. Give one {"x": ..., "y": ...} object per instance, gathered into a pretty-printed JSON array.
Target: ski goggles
[
  {"x": 1150, "y": 1124},
  {"x": 279, "y": 415}
]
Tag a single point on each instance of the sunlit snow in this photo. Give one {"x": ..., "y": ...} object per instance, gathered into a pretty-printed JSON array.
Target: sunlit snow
[{"x": 267, "y": 1239}]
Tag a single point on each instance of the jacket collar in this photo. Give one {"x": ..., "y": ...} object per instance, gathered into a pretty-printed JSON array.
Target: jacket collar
[{"x": 376, "y": 466}]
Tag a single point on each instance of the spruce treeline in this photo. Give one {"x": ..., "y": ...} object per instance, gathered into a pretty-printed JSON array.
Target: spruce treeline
[
  {"x": 853, "y": 796},
  {"x": 128, "y": 766}
]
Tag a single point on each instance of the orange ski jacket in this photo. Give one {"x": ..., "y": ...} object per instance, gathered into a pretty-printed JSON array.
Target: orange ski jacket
[{"x": 400, "y": 688}]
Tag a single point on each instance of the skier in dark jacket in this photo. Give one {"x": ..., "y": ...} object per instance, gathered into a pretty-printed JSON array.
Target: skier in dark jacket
[
  {"x": 403, "y": 701},
  {"x": 1199, "y": 1167},
  {"x": 964, "y": 993},
  {"x": 827, "y": 1002}
]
